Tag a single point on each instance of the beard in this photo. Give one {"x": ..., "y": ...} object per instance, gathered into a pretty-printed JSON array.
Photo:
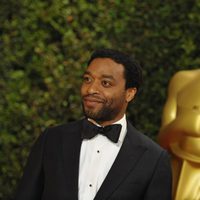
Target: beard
[{"x": 105, "y": 113}]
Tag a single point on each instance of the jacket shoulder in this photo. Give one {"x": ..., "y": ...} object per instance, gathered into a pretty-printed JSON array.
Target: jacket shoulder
[
  {"x": 143, "y": 140},
  {"x": 70, "y": 130},
  {"x": 72, "y": 126}
]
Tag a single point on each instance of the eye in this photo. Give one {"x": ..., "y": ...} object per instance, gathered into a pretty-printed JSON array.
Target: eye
[
  {"x": 106, "y": 83},
  {"x": 87, "y": 79}
]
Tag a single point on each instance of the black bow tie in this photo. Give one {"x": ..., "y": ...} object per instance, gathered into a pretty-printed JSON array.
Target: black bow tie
[{"x": 90, "y": 130}]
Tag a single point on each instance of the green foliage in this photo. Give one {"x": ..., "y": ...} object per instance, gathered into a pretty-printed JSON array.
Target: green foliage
[{"x": 45, "y": 45}]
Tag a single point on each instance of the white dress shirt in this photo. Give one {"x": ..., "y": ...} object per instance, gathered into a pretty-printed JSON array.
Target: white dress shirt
[{"x": 96, "y": 158}]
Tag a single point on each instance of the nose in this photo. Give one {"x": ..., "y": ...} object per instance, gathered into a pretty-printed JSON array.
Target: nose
[{"x": 93, "y": 88}]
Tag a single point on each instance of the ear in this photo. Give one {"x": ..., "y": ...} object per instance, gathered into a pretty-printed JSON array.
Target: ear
[{"x": 130, "y": 94}]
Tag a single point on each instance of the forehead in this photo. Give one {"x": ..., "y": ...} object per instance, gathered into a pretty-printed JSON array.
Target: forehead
[{"x": 106, "y": 66}]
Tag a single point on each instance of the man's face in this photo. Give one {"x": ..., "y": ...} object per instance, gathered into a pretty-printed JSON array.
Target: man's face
[{"x": 103, "y": 92}]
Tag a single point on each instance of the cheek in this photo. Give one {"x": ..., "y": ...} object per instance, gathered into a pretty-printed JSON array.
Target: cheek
[
  {"x": 116, "y": 98},
  {"x": 83, "y": 90}
]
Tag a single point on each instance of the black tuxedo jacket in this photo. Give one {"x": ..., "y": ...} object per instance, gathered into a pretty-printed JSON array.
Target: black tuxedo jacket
[{"x": 141, "y": 170}]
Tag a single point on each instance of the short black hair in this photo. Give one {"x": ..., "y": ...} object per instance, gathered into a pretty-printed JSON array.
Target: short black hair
[{"x": 132, "y": 69}]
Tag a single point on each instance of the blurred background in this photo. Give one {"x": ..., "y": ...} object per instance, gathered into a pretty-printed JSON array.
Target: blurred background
[{"x": 44, "y": 48}]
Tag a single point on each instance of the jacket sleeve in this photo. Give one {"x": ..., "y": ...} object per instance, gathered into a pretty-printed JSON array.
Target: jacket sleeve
[
  {"x": 31, "y": 184},
  {"x": 160, "y": 186}
]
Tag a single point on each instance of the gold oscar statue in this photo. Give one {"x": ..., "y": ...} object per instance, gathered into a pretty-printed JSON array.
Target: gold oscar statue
[{"x": 180, "y": 133}]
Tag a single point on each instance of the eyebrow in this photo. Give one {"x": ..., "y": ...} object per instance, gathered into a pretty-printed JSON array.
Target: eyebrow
[
  {"x": 103, "y": 75},
  {"x": 87, "y": 72},
  {"x": 108, "y": 76}
]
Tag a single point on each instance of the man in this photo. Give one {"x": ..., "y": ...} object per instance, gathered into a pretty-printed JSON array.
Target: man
[
  {"x": 69, "y": 162},
  {"x": 180, "y": 133}
]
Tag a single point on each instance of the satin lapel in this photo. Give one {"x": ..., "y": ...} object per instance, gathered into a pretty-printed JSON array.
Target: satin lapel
[
  {"x": 71, "y": 150},
  {"x": 129, "y": 154}
]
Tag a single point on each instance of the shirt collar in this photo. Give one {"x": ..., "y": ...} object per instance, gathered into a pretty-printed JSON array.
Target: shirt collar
[{"x": 123, "y": 132}]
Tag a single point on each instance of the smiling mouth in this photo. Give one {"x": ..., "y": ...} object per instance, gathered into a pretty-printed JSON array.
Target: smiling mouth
[{"x": 91, "y": 101}]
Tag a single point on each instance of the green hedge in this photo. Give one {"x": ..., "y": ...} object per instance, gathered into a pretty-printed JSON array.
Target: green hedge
[{"x": 44, "y": 47}]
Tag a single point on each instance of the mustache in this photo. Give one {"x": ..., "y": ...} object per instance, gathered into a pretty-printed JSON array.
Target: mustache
[{"x": 93, "y": 97}]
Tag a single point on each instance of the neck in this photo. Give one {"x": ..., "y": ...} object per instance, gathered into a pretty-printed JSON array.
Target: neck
[{"x": 106, "y": 123}]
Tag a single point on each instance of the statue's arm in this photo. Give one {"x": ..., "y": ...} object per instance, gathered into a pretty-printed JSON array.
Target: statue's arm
[{"x": 167, "y": 130}]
